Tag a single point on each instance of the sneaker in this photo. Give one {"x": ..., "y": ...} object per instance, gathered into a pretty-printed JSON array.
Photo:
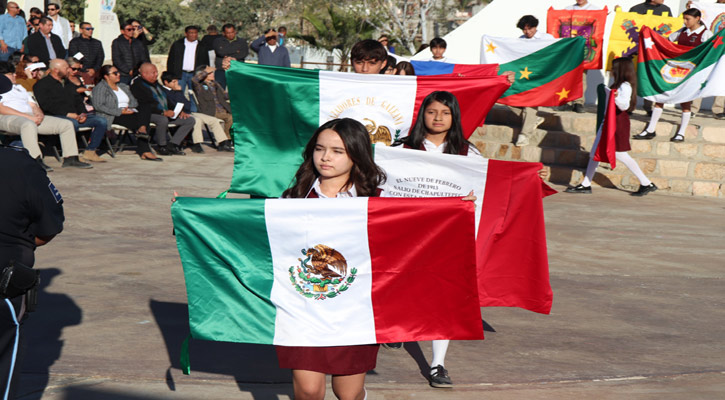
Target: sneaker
[
  {"x": 439, "y": 377},
  {"x": 579, "y": 108},
  {"x": 74, "y": 162},
  {"x": 645, "y": 135},
  {"x": 643, "y": 190},
  {"x": 393, "y": 346},
  {"x": 43, "y": 165},
  {"x": 196, "y": 148},
  {"x": 522, "y": 140},
  {"x": 579, "y": 189}
]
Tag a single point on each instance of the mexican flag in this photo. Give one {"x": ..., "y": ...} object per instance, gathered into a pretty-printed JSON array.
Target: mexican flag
[
  {"x": 670, "y": 73},
  {"x": 328, "y": 272},
  {"x": 442, "y": 68},
  {"x": 605, "y": 145},
  {"x": 589, "y": 24},
  {"x": 512, "y": 262},
  {"x": 276, "y": 110},
  {"x": 548, "y": 71}
]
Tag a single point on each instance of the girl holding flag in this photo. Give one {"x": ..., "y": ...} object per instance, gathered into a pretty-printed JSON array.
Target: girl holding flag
[
  {"x": 625, "y": 83},
  {"x": 338, "y": 162},
  {"x": 692, "y": 34}
]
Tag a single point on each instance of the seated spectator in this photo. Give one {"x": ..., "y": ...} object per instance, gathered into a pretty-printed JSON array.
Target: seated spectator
[
  {"x": 45, "y": 44},
  {"x": 58, "y": 97},
  {"x": 404, "y": 68},
  {"x": 176, "y": 95},
  {"x": 152, "y": 99},
  {"x": 127, "y": 52},
  {"x": 19, "y": 115},
  {"x": 75, "y": 78},
  {"x": 213, "y": 100},
  {"x": 26, "y": 72},
  {"x": 114, "y": 101},
  {"x": 269, "y": 51},
  {"x": 90, "y": 49}
]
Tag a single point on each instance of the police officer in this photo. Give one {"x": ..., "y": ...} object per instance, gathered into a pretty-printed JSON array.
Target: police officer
[{"x": 31, "y": 214}]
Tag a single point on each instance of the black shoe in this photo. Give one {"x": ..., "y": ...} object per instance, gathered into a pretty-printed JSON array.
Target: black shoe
[
  {"x": 45, "y": 166},
  {"x": 196, "y": 148},
  {"x": 74, "y": 162},
  {"x": 643, "y": 190},
  {"x": 720, "y": 116},
  {"x": 225, "y": 146},
  {"x": 393, "y": 346},
  {"x": 579, "y": 108},
  {"x": 440, "y": 378},
  {"x": 164, "y": 151},
  {"x": 175, "y": 150},
  {"x": 579, "y": 189},
  {"x": 644, "y": 135},
  {"x": 677, "y": 138},
  {"x": 563, "y": 107}
]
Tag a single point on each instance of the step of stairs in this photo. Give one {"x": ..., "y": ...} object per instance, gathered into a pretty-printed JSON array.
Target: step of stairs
[{"x": 563, "y": 141}]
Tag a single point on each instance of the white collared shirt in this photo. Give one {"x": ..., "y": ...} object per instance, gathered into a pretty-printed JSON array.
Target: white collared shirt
[
  {"x": 431, "y": 147},
  {"x": 189, "y": 55},
  {"x": 349, "y": 193},
  {"x": 538, "y": 35},
  {"x": 272, "y": 48},
  {"x": 705, "y": 36},
  {"x": 18, "y": 99}
]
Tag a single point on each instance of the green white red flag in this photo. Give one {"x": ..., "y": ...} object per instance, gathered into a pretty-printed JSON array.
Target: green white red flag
[{"x": 671, "y": 73}]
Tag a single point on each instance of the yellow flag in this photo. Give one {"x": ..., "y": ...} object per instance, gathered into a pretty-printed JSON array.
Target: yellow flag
[{"x": 624, "y": 39}]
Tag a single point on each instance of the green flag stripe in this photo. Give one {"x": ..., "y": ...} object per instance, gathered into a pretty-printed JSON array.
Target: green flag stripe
[
  {"x": 545, "y": 65},
  {"x": 208, "y": 246},
  {"x": 276, "y": 111}
]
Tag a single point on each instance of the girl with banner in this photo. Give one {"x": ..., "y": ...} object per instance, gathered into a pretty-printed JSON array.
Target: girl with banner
[
  {"x": 692, "y": 34},
  {"x": 338, "y": 162},
  {"x": 622, "y": 99}
]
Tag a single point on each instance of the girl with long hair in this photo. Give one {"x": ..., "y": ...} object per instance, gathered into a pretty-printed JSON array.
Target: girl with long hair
[
  {"x": 338, "y": 162},
  {"x": 625, "y": 83},
  {"x": 692, "y": 34}
]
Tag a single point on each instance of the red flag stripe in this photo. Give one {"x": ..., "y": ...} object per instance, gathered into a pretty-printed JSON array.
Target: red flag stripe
[{"x": 545, "y": 95}]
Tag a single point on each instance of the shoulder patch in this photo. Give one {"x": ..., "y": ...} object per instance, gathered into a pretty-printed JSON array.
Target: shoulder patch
[{"x": 54, "y": 191}]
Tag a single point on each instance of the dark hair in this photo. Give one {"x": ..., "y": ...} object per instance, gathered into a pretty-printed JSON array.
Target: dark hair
[
  {"x": 368, "y": 49},
  {"x": 44, "y": 20},
  {"x": 212, "y": 28},
  {"x": 422, "y": 47},
  {"x": 282, "y": 27},
  {"x": 190, "y": 28},
  {"x": 384, "y": 36},
  {"x": 527, "y": 20},
  {"x": 226, "y": 26},
  {"x": 404, "y": 66},
  {"x": 168, "y": 76},
  {"x": 390, "y": 64},
  {"x": 128, "y": 22},
  {"x": 693, "y": 12},
  {"x": 105, "y": 70},
  {"x": 365, "y": 174},
  {"x": 454, "y": 137},
  {"x": 36, "y": 10},
  {"x": 623, "y": 71},
  {"x": 36, "y": 19},
  {"x": 83, "y": 23},
  {"x": 438, "y": 42},
  {"x": 53, "y": 4},
  {"x": 6, "y": 67}
]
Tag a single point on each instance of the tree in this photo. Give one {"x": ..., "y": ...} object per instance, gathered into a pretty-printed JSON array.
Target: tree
[
  {"x": 251, "y": 17},
  {"x": 165, "y": 19},
  {"x": 404, "y": 20},
  {"x": 73, "y": 10}
]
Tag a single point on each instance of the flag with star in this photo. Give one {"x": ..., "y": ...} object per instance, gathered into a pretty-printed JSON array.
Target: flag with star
[
  {"x": 670, "y": 73},
  {"x": 548, "y": 71}
]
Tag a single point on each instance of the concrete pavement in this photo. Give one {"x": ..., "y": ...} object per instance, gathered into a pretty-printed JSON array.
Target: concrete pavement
[{"x": 638, "y": 311}]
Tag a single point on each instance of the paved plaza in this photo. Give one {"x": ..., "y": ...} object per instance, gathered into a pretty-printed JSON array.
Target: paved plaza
[{"x": 639, "y": 303}]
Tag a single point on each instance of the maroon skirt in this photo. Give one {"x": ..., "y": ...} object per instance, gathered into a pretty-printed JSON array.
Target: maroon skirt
[
  {"x": 334, "y": 360},
  {"x": 622, "y": 134}
]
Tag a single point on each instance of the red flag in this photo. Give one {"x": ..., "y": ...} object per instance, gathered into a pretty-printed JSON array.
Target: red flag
[
  {"x": 588, "y": 24},
  {"x": 607, "y": 142}
]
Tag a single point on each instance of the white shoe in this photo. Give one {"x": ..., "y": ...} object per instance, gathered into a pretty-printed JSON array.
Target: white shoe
[{"x": 522, "y": 140}]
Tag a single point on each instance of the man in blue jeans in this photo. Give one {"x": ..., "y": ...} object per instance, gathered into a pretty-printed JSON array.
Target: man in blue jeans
[
  {"x": 58, "y": 97},
  {"x": 12, "y": 31}
]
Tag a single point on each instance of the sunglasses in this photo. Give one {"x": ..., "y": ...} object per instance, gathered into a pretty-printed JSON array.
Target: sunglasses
[
  {"x": 115, "y": 73},
  {"x": 130, "y": 29},
  {"x": 89, "y": 29},
  {"x": 52, "y": 9},
  {"x": 75, "y": 68}
]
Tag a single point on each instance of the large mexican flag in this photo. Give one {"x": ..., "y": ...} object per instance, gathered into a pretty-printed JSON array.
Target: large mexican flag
[
  {"x": 276, "y": 110},
  {"x": 670, "y": 73},
  {"x": 328, "y": 272},
  {"x": 548, "y": 71}
]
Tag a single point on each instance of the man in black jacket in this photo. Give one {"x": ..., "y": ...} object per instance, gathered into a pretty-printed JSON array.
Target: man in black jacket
[
  {"x": 152, "y": 99},
  {"x": 228, "y": 47},
  {"x": 185, "y": 55},
  {"x": 128, "y": 52},
  {"x": 45, "y": 44},
  {"x": 91, "y": 49}
]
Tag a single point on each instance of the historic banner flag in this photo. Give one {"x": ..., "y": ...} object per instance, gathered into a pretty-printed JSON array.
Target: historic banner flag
[
  {"x": 624, "y": 38},
  {"x": 605, "y": 145},
  {"x": 512, "y": 262},
  {"x": 328, "y": 272},
  {"x": 713, "y": 15},
  {"x": 588, "y": 24},
  {"x": 442, "y": 68},
  {"x": 276, "y": 110},
  {"x": 670, "y": 73},
  {"x": 548, "y": 71}
]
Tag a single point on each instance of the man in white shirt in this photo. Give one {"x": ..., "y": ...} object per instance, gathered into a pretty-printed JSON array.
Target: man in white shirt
[
  {"x": 61, "y": 26},
  {"x": 19, "y": 115},
  {"x": 185, "y": 55},
  {"x": 529, "y": 120}
]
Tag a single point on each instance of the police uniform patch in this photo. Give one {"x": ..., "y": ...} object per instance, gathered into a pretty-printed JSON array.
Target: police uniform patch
[{"x": 54, "y": 191}]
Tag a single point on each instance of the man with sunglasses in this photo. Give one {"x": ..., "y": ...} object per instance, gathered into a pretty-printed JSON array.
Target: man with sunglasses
[
  {"x": 44, "y": 43},
  {"x": 128, "y": 52},
  {"x": 61, "y": 26},
  {"x": 91, "y": 49},
  {"x": 12, "y": 31}
]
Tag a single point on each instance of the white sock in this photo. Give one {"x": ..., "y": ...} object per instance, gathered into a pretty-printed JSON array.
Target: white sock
[
  {"x": 656, "y": 114},
  {"x": 589, "y": 175},
  {"x": 629, "y": 162},
  {"x": 440, "y": 347},
  {"x": 685, "y": 121},
  {"x": 366, "y": 394}
]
